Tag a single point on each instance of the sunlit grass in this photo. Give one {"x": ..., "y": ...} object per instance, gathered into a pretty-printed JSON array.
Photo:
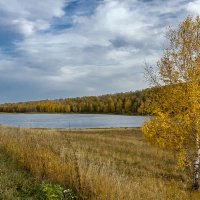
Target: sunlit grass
[{"x": 98, "y": 163}]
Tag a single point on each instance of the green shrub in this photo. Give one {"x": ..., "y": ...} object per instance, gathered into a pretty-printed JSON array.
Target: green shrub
[{"x": 50, "y": 191}]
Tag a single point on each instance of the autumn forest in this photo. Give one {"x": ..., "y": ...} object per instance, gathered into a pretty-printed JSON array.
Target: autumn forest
[{"x": 119, "y": 103}]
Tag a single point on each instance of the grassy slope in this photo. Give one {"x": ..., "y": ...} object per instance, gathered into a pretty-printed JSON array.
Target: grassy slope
[{"x": 99, "y": 164}]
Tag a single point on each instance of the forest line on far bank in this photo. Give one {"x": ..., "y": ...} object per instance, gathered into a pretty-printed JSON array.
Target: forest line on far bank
[{"x": 119, "y": 103}]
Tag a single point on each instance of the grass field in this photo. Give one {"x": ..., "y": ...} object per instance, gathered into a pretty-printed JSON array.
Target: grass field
[
  {"x": 111, "y": 164},
  {"x": 14, "y": 182}
]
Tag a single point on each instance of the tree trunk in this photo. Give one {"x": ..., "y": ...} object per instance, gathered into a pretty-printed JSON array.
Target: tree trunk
[{"x": 196, "y": 165}]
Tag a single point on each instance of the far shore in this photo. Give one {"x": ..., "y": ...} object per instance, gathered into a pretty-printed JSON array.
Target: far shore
[{"x": 72, "y": 113}]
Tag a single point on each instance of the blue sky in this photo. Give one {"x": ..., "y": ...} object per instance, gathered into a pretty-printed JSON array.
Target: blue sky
[{"x": 67, "y": 48}]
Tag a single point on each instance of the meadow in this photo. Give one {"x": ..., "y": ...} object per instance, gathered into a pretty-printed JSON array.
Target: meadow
[
  {"x": 14, "y": 182},
  {"x": 110, "y": 164}
]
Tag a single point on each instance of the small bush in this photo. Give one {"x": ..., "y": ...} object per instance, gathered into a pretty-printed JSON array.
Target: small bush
[{"x": 50, "y": 191}]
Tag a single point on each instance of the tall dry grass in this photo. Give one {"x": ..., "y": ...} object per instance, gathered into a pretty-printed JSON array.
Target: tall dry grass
[{"x": 115, "y": 164}]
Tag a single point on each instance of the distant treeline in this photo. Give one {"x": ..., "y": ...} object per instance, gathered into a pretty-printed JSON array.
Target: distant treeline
[{"x": 120, "y": 103}]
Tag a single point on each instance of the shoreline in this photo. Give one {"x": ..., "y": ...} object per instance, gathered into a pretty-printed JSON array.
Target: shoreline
[
  {"x": 57, "y": 113},
  {"x": 73, "y": 129}
]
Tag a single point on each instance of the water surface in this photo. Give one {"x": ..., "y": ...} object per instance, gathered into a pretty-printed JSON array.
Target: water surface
[{"x": 71, "y": 120}]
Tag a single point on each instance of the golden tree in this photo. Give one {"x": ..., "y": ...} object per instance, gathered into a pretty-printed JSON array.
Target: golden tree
[{"x": 175, "y": 102}]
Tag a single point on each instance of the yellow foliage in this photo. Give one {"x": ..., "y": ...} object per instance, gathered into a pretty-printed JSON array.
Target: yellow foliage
[{"x": 175, "y": 104}]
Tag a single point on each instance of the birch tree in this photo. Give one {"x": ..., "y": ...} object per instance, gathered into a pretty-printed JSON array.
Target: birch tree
[{"x": 175, "y": 102}]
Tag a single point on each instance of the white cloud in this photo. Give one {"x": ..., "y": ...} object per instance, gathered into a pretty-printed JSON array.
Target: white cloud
[
  {"x": 31, "y": 16},
  {"x": 32, "y": 9},
  {"x": 29, "y": 27},
  {"x": 67, "y": 74},
  {"x": 194, "y": 7},
  {"x": 118, "y": 55},
  {"x": 117, "y": 18}
]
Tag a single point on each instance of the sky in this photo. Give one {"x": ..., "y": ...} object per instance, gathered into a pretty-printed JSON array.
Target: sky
[{"x": 68, "y": 48}]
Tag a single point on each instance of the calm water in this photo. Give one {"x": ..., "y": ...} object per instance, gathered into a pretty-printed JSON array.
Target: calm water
[{"x": 71, "y": 120}]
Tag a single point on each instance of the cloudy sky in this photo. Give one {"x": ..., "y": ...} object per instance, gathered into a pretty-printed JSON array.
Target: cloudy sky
[{"x": 66, "y": 48}]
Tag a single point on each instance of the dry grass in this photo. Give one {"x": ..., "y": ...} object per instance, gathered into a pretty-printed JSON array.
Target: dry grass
[
  {"x": 16, "y": 184},
  {"x": 113, "y": 164}
]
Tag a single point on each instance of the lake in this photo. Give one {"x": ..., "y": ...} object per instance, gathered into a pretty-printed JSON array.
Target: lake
[{"x": 71, "y": 120}]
